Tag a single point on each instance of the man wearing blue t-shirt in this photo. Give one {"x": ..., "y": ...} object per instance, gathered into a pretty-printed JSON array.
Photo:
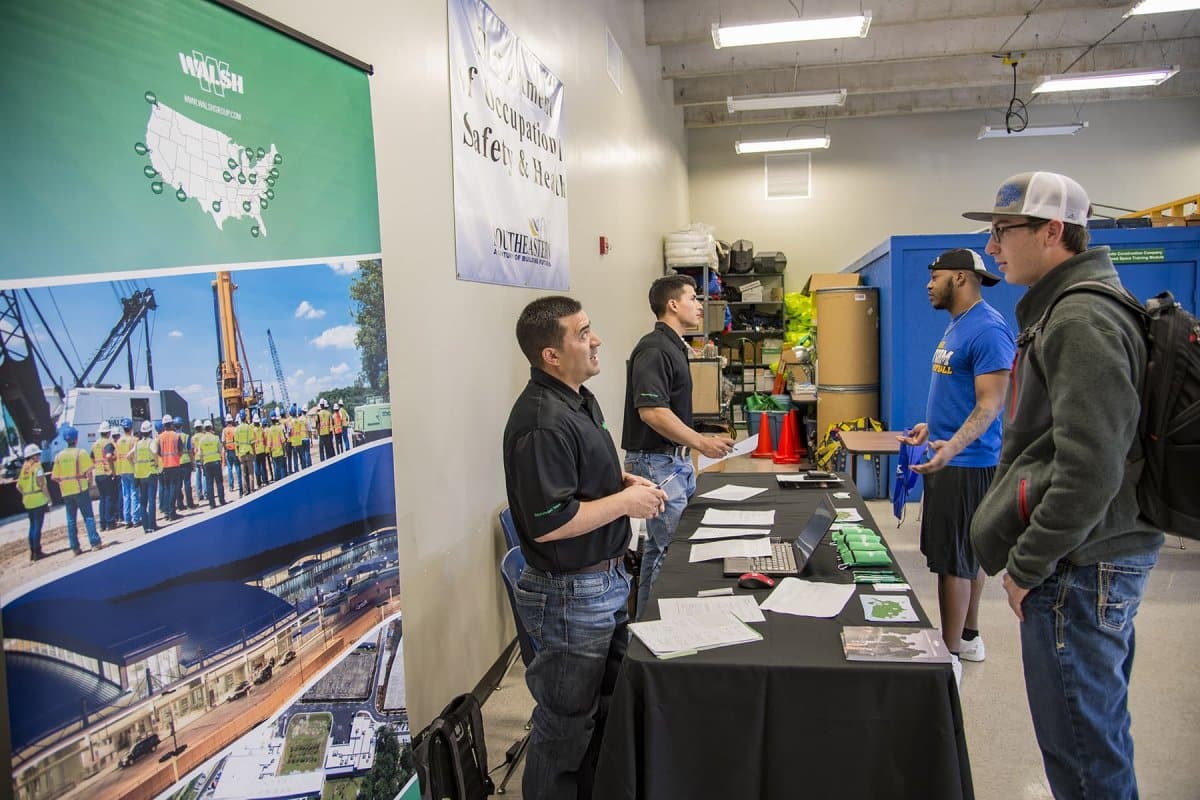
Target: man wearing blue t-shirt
[{"x": 966, "y": 393}]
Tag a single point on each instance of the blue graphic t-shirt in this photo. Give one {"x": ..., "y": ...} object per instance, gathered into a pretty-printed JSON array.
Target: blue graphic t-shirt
[{"x": 976, "y": 342}]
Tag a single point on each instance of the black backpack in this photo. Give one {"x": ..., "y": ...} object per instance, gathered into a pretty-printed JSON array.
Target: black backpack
[
  {"x": 1169, "y": 426},
  {"x": 451, "y": 756}
]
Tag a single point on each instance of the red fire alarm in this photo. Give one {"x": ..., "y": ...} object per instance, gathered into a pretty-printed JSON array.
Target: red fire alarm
[{"x": 604, "y": 245}]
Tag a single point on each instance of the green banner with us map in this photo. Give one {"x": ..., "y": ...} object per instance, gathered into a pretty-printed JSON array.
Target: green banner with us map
[{"x": 169, "y": 133}]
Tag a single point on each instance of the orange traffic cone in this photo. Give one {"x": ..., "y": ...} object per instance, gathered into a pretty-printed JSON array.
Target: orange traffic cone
[
  {"x": 788, "y": 451},
  {"x": 764, "y": 449}
]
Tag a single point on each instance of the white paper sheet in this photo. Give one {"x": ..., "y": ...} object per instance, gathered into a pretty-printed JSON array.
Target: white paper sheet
[
  {"x": 741, "y": 448},
  {"x": 808, "y": 598},
  {"x": 723, "y": 516},
  {"x": 703, "y": 533},
  {"x": 673, "y": 637},
  {"x": 746, "y": 548},
  {"x": 733, "y": 492},
  {"x": 888, "y": 608},
  {"x": 741, "y": 606},
  {"x": 848, "y": 515}
]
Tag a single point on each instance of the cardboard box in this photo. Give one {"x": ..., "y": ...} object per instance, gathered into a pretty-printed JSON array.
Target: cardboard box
[
  {"x": 752, "y": 292},
  {"x": 831, "y": 280},
  {"x": 751, "y": 352},
  {"x": 715, "y": 318}
]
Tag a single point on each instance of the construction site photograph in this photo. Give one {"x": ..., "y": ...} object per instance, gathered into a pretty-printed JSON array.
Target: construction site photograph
[{"x": 197, "y": 526}]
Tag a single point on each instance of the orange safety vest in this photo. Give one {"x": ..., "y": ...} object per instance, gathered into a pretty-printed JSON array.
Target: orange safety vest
[
  {"x": 227, "y": 437},
  {"x": 103, "y": 467},
  {"x": 168, "y": 448},
  {"x": 337, "y": 422},
  {"x": 71, "y": 469},
  {"x": 32, "y": 495}
]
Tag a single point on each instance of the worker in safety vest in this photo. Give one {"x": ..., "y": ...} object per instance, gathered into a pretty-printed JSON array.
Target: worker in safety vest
[
  {"x": 260, "y": 452},
  {"x": 31, "y": 483},
  {"x": 243, "y": 440},
  {"x": 325, "y": 430},
  {"x": 231, "y": 460},
  {"x": 300, "y": 436},
  {"x": 146, "y": 468},
  {"x": 185, "y": 467},
  {"x": 170, "y": 452},
  {"x": 197, "y": 432},
  {"x": 336, "y": 423},
  {"x": 210, "y": 452},
  {"x": 345, "y": 428},
  {"x": 276, "y": 442},
  {"x": 104, "y": 457},
  {"x": 131, "y": 504},
  {"x": 72, "y": 472}
]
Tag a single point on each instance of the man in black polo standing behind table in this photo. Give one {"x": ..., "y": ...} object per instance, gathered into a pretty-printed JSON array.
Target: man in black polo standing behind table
[
  {"x": 571, "y": 504},
  {"x": 658, "y": 433}
]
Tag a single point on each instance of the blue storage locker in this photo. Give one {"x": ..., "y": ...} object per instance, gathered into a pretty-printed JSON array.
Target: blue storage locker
[{"x": 910, "y": 328}]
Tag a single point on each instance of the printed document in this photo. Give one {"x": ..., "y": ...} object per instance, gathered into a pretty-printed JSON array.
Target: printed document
[
  {"x": 745, "y": 446},
  {"x": 730, "y": 548},
  {"x": 881, "y": 608},
  {"x": 667, "y": 638},
  {"x": 727, "y": 533},
  {"x": 741, "y": 606},
  {"x": 733, "y": 492},
  {"x": 808, "y": 598},
  {"x": 721, "y": 516}
]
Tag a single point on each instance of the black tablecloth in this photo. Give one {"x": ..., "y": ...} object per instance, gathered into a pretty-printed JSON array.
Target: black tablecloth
[{"x": 786, "y": 717}]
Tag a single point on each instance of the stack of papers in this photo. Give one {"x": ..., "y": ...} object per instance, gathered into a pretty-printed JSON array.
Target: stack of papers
[
  {"x": 730, "y": 548},
  {"x": 718, "y": 516},
  {"x": 703, "y": 533},
  {"x": 741, "y": 606},
  {"x": 808, "y": 598},
  {"x": 667, "y": 638},
  {"x": 733, "y": 492}
]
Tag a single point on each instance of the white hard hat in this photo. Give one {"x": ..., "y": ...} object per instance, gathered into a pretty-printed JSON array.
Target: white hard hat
[
  {"x": 256, "y": 420},
  {"x": 103, "y": 428},
  {"x": 147, "y": 427},
  {"x": 323, "y": 403},
  {"x": 196, "y": 423},
  {"x": 32, "y": 450},
  {"x": 229, "y": 417},
  {"x": 208, "y": 423},
  {"x": 168, "y": 420}
]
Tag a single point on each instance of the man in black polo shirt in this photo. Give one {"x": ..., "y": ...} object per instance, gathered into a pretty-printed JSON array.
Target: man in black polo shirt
[
  {"x": 571, "y": 503},
  {"x": 658, "y": 431}
]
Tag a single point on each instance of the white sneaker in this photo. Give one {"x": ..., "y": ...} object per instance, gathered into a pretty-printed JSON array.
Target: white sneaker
[
  {"x": 972, "y": 650},
  {"x": 956, "y": 665}
]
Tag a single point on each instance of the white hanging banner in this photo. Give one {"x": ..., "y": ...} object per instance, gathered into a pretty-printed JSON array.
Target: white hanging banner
[{"x": 510, "y": 182}]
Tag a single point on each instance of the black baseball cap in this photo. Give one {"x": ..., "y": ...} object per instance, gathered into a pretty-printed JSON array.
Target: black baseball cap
[{"x": 964, "y": 259}]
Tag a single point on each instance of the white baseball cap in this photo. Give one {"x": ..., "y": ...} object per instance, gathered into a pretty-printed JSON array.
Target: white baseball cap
[{"x": 1043, "y": 195}]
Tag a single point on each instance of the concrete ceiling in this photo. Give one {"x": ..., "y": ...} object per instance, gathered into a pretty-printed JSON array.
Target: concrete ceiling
[{"x": 919, "y": 56}]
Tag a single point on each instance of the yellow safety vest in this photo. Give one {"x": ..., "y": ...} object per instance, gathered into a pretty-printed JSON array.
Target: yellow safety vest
[
  {"x": 260, "y": 440},
  {"x": 31, "y": 494},
  {"x": 70, "y": 469},
  {"x": 185, "y": 449},
  {"x": 296, "y": 432},
  {"x": 324, "y": 422},
  {"x": 145, "y": 460},
  {"x": 125, "y": 454},
  {"x": 275, "y": 440},
  {"x": 210, "y": 448},
  {"x": 102, "y": 465},
  {"x": 243, "y": 439}
]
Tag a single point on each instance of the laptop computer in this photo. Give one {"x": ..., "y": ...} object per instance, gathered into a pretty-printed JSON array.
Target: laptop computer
[{"x": 788, "y": 558}]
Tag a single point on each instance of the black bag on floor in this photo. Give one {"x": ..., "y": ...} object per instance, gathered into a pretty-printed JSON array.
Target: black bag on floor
[{"x": 451, "y": 756}]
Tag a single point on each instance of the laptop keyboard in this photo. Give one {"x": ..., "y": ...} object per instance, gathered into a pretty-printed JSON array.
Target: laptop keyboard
[{"x": 781, "y": 559}]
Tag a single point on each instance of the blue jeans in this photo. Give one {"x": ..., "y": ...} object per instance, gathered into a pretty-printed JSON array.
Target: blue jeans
[
  {"x": 200, "y": 495},
  {"x": 578, "y": 624},
  {"x": 1077, "y": 647},
  {"x": 147, "y": 489},
  {"x": 36, "y": 517},
  {"x": 82, "y": 503},
  {"x": 104, "y": 508},
  {"x": 657, "y": 467},
  {"x": 232, "y": 466},
  {"x": 306, "y": 454},
  {"x": 131, "y": 502}
]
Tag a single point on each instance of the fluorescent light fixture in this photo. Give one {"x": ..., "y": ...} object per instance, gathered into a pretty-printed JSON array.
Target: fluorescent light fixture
[
  {"x": 796, "y": 30},
  {"x": 1083, "y": 81},
  {"x": 779, "y": 145},
  {"x": 761, "y": 102},
  {"x": 999, "y": 132},
  {"x": 1162, "y": 6}
]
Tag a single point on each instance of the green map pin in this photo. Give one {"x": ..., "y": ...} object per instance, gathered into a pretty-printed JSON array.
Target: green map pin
[
  {"x": 226, "y": 176},
  {"x": 242, "y": 177},
  {"x": 149, "y": 171},
  {"x": 140, "y": 148},
  {"x": 151, "y": 98},
  {"x": 270, "y": 181},
  {"x": 180, "y": 194},
  {"x": 261, "y": 152},
  {"x": 274, "y": 173},
  {"x": 253, "y": 177},
  {"x": 254, "y": 231},
  {"x": 156, "y": 187},
  {"x": 232, "y": 164},
  {"x": 278, "y": 159},
  {"x": 246, "y": 205},
  {"x": 216, "y": 206},
  {"x": 270, "y": 194},
  {"x": 262, "y": 202}
]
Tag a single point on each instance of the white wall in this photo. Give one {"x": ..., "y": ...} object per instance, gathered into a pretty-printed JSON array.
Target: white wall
[
  {"x": 917, "y": 174},
  {"x": 454, "y": 364}
]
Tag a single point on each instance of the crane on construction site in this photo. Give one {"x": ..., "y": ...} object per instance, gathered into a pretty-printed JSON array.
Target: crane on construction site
[
  {"x": 283, "y": 390},
  {"x": 235, "y": 384}
]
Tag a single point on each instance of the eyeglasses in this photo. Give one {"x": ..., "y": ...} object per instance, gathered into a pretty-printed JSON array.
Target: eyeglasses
[{"x": 999, "y": 231}]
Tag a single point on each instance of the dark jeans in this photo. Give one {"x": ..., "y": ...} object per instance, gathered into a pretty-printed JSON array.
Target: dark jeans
[
  {"x": 81, "y": 502},
  {"x": 216, "y": 486},
  {"x": 281, "y": 469},
  {"x": 656, "y": 468},
  {"x": 169, "y": 491},
  {"x": 326, "y": 446},
  {"x": 578, "y": 624},
  {"x": 37, "y": 516},
  {"x": 1077, "y": 647},
  {"x": 148, "y": 492},
  {"x": 106, "y": 510}
]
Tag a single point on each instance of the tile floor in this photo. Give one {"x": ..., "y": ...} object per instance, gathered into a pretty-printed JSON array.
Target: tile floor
[{"x": 1005, "y": 763}]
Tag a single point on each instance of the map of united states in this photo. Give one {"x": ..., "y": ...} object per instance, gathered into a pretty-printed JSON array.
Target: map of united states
[{"x": 228, "y": 179}]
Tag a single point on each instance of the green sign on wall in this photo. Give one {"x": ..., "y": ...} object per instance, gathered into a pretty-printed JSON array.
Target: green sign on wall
[
  {"x": 1143, "y": 255},
  {"x": 163, "y": 134}
]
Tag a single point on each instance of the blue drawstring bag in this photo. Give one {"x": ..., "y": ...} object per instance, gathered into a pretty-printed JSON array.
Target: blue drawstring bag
[{"x": 906, "y": 479}]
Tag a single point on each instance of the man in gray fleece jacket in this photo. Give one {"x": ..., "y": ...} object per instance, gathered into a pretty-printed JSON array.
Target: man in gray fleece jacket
[{"x": 1061, "y": 516}]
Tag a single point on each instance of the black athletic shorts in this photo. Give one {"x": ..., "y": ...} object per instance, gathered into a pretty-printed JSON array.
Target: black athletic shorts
[{"x": 950, "y": 499}]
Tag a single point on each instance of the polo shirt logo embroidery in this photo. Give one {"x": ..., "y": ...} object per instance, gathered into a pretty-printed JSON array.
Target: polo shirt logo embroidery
[
  {"x": 651, "y": 395},
  {"x": 549, "y": 510}
]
